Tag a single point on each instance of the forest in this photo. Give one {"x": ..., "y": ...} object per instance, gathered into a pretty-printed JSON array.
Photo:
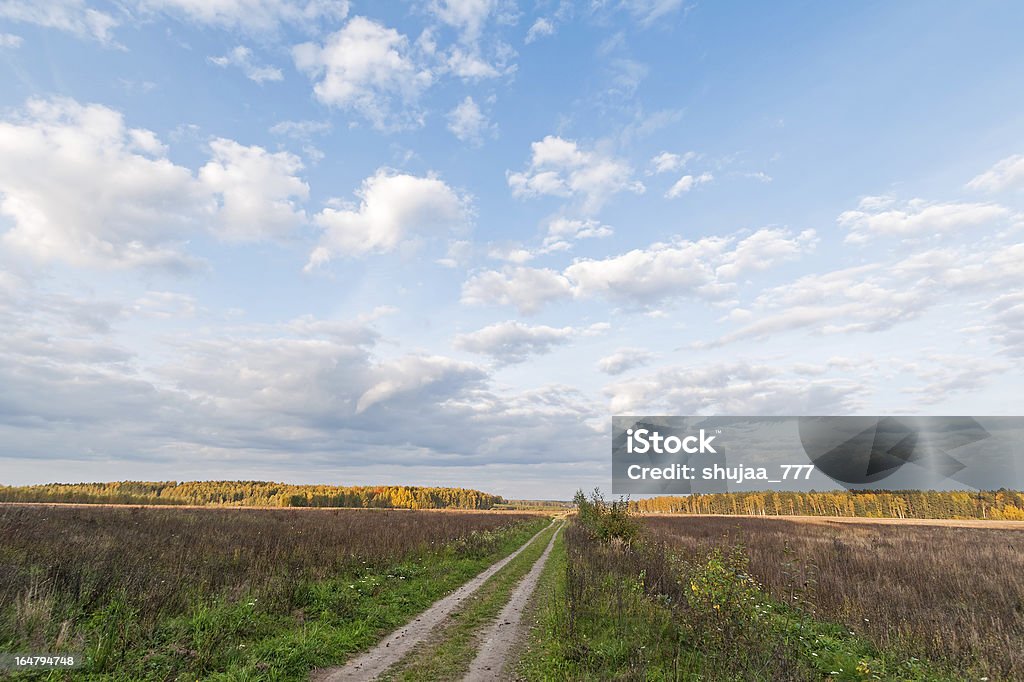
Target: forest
[
  {"x": 899, "y": 504},
  {"x": 252, "y": 494}
]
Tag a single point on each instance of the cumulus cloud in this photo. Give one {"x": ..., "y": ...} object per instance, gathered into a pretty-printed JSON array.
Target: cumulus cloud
[
  {"x": 242, "y": 58},
  {"x": 884, "y": 216},
  {"x": 467, "y": 122},
  {"x": 666, "y": 162},
  {"x": 623, "y": 360},
  {"x": 467, "y": 16},
  {"x": 559, "y": 167},
  {"x": 686, "y": 183},
  {"x": 470, "y": 18},
  {"x": 528, "y": 289},
  {"x": 563, "y": 231},
  {"x": 258, "y": 191},
  {"x": 392, "y": 207},
  {"x": 307, "y": 392},
  {"x": 1006, "y": 174},
  {"x": 876, "y": 296},
  {"x": 73, "y": 16},
  {"x": 644, "y": 277},
  {"x": 513, "y": 342},
  {"x": 416, "y": 377},
  {"x": 369, "y": 69},
  {"x": 764, "y": 249},
  {"x": 539, "y": 29},
  {"x": 81, "y": 187}
]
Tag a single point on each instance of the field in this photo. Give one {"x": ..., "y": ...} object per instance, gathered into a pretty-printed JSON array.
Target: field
[
  {"x": 713, "y": 598},
  {"x": 174, "y": 593},
  {"x": 166, "y": 593}
]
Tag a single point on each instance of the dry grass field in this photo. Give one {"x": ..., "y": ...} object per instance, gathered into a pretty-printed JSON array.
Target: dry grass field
[
  {"x": 948, "y": 591},
  {"x": 159, "y": 593}
]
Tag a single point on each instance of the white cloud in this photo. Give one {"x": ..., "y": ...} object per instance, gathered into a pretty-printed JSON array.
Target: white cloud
[
  {"x": 467, "y": 122},
  {"x": 251, "y": 15},
  {"x": 300, "y": 130},
  {"x": 470, "y": 66},
  {"x": 528, "y": 289},
  {"x": 876, "y": 296},
  {"x": 623, "y": 360},
  {"x": 73, "y": 16},
  {"x": 701, "y": 269},
  {"x": 165, "y": 305},
  {"x": 883, "y": 216},
  {"x": 942, "y": 375},
  {"x": 242, "y": 58},
  {"x": 391, "y": 207},
  {"x": 764, "y": 249},
  {"x": 367, "y": 68},
  {"x": 647, "y": 12},
  {"x": 539, "y": 29},
  {"x": 686, "y": 183},
  {"x": 257, "y": 190},
  {"x": 470, "y": 18},
  {"x": 467, "y": 16},
  {"x": 414, "y": 378},
  {"x": 666, "y": 162},
  {"x": 81, "y": 187},
  {"x": 563, "y": 231},
  {"x": 644, "y": 276},
  {"x": 1007, "y": 324},
  {"x": 513, "y": 342},
  {"x": 9, "y": 40},
  {"x": 458, "y": 254},
  {"x": 733, "y": 388},
  {"x": 626, "y": 76},
  {"x": 558, "y": 167},
  {"x": 1006, "y": 174}
]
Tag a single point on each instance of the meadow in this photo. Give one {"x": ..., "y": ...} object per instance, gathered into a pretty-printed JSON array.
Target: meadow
[
  {"x": 174, "y": 593},
  {"x": 719, "y": 598},
  {"x": 165, "y": 593},
  {"x": 940, "y": 592}
]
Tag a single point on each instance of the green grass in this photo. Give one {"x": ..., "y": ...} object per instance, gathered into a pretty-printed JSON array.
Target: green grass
[
  {"x": 448, "y": 654},
  {"x": 243, "y": 639}
]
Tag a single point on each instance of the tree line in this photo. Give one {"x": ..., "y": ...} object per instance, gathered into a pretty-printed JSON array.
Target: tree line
[
  {"x": 900, "y": 504},
  {"x": 252, "y": 494}
]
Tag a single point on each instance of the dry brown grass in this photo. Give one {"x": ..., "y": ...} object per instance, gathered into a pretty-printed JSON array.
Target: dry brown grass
[
  {"x": 938, "y": 591},
  {"x": 162, "y": 558}
]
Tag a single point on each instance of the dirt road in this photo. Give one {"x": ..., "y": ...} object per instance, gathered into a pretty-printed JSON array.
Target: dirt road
[
  {"x": 499, "y": 639},
  {"x": 394, "y": 647}
]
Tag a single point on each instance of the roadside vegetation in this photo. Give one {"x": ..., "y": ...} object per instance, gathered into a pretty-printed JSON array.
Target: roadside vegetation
[
  {"x": 186, "y": 594},
  {"x": 697, "y": 599}
]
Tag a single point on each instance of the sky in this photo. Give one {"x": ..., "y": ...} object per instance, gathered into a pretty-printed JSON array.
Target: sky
[{"x": 442, "y": 242}]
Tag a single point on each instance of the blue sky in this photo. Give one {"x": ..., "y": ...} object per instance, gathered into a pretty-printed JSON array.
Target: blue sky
[{"x": 442, "y": 242}]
